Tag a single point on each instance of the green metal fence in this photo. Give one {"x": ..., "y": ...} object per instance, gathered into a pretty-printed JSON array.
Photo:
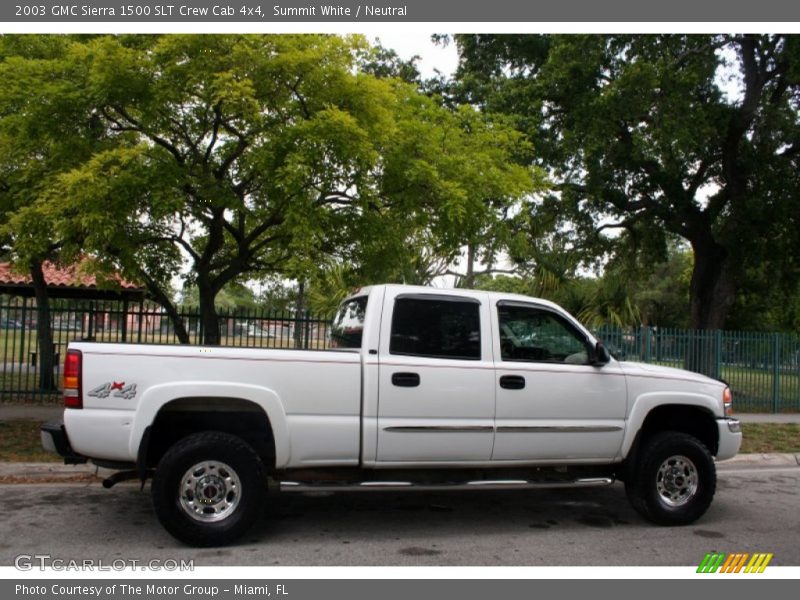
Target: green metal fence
[{"x": 763, "y": 369}]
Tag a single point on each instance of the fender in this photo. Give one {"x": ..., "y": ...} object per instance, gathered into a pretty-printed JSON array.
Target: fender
[
  {"x": 155, "y": 397},
  {"x": 648, "y": 401}
]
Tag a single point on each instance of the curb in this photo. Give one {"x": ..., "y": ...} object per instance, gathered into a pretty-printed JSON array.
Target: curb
[
  {"x": 749, "y": 461},
  {"x": 27, "y": 472}
]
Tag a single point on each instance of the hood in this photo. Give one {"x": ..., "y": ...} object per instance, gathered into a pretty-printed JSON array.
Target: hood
[{"x": 638, "y": 368}]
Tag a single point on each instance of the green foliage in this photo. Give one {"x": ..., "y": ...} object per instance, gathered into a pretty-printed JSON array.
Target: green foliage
[
  {"x": 384, "y": 62},
  {"x": 47, "y": 127},
  {"x": 233, "y": 297},
  {"x": 505, "y": 283},
  {"x": 659, "y": 136},
  {"x": 661, "y": 291},
  {"x": 625, "y": 294},
  {"x": 329, "y": 286},
  {"x": 243, "y": 155}
]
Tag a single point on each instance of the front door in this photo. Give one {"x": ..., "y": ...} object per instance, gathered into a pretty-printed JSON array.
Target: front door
[{"x": 551, "y": 403}]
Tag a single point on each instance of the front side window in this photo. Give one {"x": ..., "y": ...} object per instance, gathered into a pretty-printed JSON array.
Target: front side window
[
  {"x": 436, "y": 328},
  {"x": 348, "y": 324},
  {"x": 536, "y": 335}
]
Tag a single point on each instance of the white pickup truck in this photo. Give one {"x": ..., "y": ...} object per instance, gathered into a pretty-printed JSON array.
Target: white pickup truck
[{"x": 424, "y": 389}]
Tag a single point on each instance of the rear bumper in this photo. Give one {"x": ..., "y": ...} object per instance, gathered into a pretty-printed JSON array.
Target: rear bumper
[
  {"x": 55, "y": 440},
  {"x": 730, "y": 438}
]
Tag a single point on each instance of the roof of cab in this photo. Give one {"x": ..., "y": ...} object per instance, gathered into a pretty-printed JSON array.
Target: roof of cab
[{"x": 493, "y": 296}]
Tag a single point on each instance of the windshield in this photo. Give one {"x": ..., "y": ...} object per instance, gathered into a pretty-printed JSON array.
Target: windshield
[{"x": 348, "y": 324}]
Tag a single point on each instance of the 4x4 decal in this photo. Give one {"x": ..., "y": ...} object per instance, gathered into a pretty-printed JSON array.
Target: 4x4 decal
[{"x": 117, "y": 389}]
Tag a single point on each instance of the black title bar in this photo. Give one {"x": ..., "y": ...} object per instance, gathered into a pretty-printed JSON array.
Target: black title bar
[{"x": 466, "y": 11}]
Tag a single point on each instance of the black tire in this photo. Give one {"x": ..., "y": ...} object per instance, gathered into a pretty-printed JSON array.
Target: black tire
[
  {"x": 216, "y": 502},
  {"x": 673, "y": 479}
]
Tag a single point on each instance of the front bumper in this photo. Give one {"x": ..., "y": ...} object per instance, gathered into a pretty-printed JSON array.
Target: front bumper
[
  {"x": 730, "y": 438},
  {"x": 55, "y": 440}
]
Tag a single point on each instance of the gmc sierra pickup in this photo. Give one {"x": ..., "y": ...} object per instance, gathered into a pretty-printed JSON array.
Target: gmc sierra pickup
[{"x": 424, "y": 389}]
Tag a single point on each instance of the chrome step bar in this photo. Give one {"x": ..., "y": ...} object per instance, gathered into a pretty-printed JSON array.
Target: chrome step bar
[{"x": 396, "y": 486}]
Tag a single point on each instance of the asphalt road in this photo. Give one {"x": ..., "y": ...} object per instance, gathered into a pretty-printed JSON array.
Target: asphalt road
[{"x": 756, "y": 510}]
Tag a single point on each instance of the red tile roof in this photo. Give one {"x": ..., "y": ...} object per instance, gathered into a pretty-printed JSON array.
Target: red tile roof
[{"x": 61, "y": 277}]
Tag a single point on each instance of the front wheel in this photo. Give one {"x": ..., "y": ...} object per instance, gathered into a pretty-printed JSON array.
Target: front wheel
[
  {"x": 209, "y": 489},
  {"x": 673, "y": 480}
]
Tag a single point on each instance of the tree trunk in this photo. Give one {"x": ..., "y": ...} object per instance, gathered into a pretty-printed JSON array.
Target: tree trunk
[
  {"x": 44, "y": 333},
  {"x": 712, "y": 292},
  {"x": 469, "y": 279},
  {"x": 164, "y": 300},
  {"x": 212, "y": 336}
]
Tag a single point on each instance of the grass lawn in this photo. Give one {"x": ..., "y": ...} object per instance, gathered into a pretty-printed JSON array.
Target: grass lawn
[
  {"x": 770, "y": 437},
  {"x": 20, "y": 441}
]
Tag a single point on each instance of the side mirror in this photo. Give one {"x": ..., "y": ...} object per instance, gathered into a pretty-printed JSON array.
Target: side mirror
[{"x": 600, "y": 355}]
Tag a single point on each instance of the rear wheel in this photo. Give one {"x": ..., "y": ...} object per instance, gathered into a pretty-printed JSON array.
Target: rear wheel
[
  {"x": 673, "y": 480},
  {"x": 209, "y": 489}
]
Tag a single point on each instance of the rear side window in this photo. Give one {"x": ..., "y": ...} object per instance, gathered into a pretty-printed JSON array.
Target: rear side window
[
  {"x": 347, "y": 328},
  {"x": 436, "y": 328}
]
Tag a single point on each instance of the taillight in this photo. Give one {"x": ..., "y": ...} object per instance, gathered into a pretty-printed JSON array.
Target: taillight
[
  {"x": 72, "y": 379},
  {"x": 727, "y": 402}
]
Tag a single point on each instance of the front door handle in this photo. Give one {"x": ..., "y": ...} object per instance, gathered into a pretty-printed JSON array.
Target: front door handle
[
  {"x": 405, "y": 379},
  {"x": 512, "y": 382}
]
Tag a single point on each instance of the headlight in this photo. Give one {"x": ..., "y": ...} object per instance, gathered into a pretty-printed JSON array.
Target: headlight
[{"x": 727, "y": 402}]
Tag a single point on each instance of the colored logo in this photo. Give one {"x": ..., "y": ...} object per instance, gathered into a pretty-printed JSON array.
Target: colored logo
[{"x": 738, "y": 562}]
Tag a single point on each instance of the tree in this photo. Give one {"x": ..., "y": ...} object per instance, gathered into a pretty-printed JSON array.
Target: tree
[
  {"x": 254, "y": 155},
  {"x": 234, "y": 149},
  {"x": 51, "y": 126},
  {"x": 692, "y": 136},
  {"x": 491, "y": 150},
  {"x": 46, "y": 128}
]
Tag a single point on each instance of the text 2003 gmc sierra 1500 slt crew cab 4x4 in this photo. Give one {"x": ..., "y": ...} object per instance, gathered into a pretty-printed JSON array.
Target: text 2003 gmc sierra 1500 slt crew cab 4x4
[{"x": 424, "y": 389}]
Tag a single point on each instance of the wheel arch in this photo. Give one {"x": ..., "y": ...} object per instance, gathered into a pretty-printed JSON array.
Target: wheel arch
[
  {"x": 692, "y": 414},
  {"x": 167, "y": 413}
]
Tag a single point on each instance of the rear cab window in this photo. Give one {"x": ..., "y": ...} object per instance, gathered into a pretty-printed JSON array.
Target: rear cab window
[
  {"x": 436, "y": 327},
  {"x": 347, "y": 328}
]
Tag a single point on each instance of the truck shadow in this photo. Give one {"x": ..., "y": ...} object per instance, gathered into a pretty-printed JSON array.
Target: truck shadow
[
  {"x": 355, "y": 528},
  {"x": 419, "y": 513}
]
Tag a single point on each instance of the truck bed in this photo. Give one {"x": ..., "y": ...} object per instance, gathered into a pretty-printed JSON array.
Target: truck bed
[{"x": 318, "y": 391}]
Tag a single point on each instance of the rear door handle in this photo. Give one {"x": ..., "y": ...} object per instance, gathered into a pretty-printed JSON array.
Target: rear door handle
[
  {"x": 405, "y": 379},
  {"x": 512, "y": 382}
]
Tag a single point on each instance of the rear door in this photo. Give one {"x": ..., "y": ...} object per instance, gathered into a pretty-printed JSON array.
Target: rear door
[{"x": 436, "y": 378}]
